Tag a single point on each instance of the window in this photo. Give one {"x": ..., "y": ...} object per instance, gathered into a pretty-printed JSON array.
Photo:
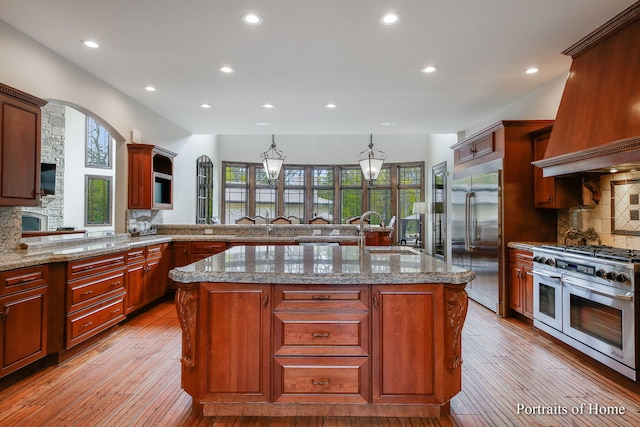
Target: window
[
  {"x": 98, "y": 200},
  {"x": 204, "y": 209},
  {"x": 98, "y": 144},
  {"x": 333, "y": 192}
]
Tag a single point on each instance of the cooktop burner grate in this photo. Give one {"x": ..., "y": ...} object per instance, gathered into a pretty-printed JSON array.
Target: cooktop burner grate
[{"x": 599, "y": 251}]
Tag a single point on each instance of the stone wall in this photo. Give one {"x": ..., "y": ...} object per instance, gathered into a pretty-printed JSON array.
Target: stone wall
[{"x": 52, "y": 151}]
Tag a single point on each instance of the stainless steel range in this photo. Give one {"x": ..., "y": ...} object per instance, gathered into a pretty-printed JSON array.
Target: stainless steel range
[{"x": 586, "y": 297}]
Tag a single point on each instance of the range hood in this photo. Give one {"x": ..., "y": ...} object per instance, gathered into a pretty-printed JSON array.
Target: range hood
[{"x": 597, "y": 127}]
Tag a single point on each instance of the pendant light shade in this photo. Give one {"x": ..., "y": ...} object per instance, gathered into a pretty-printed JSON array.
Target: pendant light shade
[
  {"x": 371, "y": 161},
  {"x": 272, "y": 161}
]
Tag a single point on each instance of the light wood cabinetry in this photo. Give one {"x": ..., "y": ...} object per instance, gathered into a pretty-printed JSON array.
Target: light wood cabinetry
[
  {"x": 95, "y": 296},
  {"x": 19, "y": 147},
  {"x": 146, "y": 278},
  {"x": 23, "y": 317},
  {"x": 521, "y": 282},
  {"x": 552, "y": 192},
  {"x": 150, "y": 177}
]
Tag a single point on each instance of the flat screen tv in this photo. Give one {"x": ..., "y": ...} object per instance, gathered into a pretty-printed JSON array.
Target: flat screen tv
[{"x": 48, "y": 178}]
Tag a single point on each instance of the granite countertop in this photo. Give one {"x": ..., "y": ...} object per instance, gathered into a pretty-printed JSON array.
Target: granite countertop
[
  {"x": 323, "y": 264},
  {"x": 526, "y": 246}
]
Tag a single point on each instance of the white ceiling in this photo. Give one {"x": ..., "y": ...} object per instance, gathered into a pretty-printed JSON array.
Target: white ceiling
[{"x": 306, "y": 54}]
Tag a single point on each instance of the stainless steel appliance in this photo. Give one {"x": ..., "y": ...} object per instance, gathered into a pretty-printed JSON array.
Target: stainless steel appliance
[
  {"x": 586, "y": 296},
  {"x": 475, "y": 237}
]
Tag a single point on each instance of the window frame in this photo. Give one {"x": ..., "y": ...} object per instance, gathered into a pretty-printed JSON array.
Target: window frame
[
  {"x": 88, "y": 200},
  {"x": 89, "y": 122}
]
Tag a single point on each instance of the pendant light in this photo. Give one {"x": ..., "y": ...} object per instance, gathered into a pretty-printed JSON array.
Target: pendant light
[
  {"x": 371, "y": 161},
  {"x": 272, "y": 161}
]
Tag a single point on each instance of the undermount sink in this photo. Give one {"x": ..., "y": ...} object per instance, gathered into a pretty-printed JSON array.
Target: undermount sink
[{"x": 390, "y": 250}]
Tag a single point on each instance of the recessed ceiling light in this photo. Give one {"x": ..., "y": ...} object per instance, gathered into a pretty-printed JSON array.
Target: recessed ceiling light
[
  {"x": 226, "y": 69},
  {"x": 429, "y": 69},
  {"x": 252, "y": 19},
  {"x": 262, "y": 123},
  {"x": 149, "y": 88},
  {"x": 90, "y": 43},
  {"x": 388, "y": 123},
  {"x": 390, "y": 18},
  {"x": 205, "y": 105},
  {"x": 267, "y": 105},
  {"x": 331, "y": 105},
  {"x": 532, "y": 70},
  {"x": 613, "y": 170}
]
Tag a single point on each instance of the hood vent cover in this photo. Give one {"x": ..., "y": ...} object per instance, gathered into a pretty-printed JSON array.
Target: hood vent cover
[{"x": 598, "y": 122}]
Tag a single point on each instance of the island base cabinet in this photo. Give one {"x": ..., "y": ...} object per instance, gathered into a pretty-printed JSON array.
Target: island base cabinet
[
  {"x": 417, "y": 354},
  {"x": 234, "y": 343}
]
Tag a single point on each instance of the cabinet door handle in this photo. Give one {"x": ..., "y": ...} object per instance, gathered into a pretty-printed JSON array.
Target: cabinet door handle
[
  {"x": 5, "y": 313},
  {"x": 320, "y": 334},
  {"x": 320, "y": 381},
  {"x": 265, "y": 301},
  {"x": 321, "y": 297},
  {"x": 375, "y": 302}
]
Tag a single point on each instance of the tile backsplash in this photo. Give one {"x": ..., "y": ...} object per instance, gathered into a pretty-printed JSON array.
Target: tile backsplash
[{"x": 598, "y": 217}]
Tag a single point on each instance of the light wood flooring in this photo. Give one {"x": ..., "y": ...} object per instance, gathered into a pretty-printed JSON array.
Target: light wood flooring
[{"x": 131, "y": 377}]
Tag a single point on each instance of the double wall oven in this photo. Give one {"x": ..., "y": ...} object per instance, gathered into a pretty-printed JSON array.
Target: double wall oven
[{"x": 586, "y": 296}]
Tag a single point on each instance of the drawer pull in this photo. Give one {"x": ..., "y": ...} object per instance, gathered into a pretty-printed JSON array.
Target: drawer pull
[
  {"x": 320, "y": 381},
  {"x": 320, "y": 334},
  {"x": 24, "y": 279},
  {"x": 116, "y": 311},
  {"x": 115, "y": 284},
  {"x": 86, "y": 325},
  {"x": 321, "y": 297},
  {"x": 84, "y": 294}
]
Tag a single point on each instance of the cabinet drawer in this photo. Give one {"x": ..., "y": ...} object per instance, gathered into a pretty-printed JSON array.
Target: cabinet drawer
[
  {"x": 337, "y": 334},
  {"x": 296, "y": 297},
  {"x": 87, "y": 291},
  {"x": 210, "y": 248},
  {"x": 135, "y": 255},
  {"x": 327, "y": 379},
  {"x": 155, "y": 251},
  {"x": 521, "y": 257},
  {"x": 23, "y": 279},
  {"x": 86, "y": 267},
  {"x": 93, "y": 320}
]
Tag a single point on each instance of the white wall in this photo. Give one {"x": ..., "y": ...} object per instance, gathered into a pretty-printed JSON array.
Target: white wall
[
  {"x": 32, "y": 68},
  {"x": 75, "y": 173}
]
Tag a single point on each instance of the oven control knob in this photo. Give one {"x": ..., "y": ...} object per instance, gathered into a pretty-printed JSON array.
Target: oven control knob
[
  {"x": 550, "y": 261},
  {"x": 601, "y": 273},
  {"x": 611, "y": 275},
  {"x": 539, "y": 259},
  {"x": 622, "y": 278}
]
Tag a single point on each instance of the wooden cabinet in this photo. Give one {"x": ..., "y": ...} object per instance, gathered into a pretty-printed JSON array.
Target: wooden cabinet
[
  {"x": 552, "y": 192},
  {"x": 19, "y": 147},
  {"x": 146, "y": 278},
  {"x": 478, "y": 149},
  {"x": 321, "y": 344},
  {"x": 521, "y": 282},
  {"x": 150, "y": 177},
  {"x": 95, "y": 296},
  {"x": 204, "y": 249},
  {"x": 23, "y": 317},
  {"x": 235, "y": 342}
]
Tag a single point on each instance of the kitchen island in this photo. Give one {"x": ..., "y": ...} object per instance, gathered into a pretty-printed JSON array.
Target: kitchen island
[{"x": 321, "y": 330}]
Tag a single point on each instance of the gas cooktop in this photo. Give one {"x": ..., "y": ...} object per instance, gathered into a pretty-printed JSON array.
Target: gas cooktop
[{"x": 599, "y": 251}]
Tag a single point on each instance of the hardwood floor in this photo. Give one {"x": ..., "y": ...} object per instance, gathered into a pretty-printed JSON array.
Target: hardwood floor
[{"x": 131, "y": 377}]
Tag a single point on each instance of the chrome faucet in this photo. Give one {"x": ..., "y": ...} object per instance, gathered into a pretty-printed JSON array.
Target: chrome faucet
[{"x": 362, "y": 240}]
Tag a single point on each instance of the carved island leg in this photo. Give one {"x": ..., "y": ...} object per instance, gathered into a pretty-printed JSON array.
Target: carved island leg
[
  {"x": 187, "y": 308},
  {"x": 457, "y": 303}
]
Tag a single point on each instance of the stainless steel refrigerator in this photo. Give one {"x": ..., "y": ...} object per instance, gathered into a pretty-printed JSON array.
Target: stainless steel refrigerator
[{"x": 475, "y": 233}]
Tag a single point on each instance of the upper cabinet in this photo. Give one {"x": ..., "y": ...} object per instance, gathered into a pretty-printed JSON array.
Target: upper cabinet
[
  {"x": 552, "y": 192},
  {"x": 150, "y": 177},
  {"x": 19, "y": 147},
  {"x": 478, "y": 149}
]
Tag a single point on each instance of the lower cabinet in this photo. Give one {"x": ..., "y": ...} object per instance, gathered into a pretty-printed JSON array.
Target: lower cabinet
[
  {"x": 201, "y": 250},
  {"x": 146, "y": 278},
  {"x": 372, "y": 350},
  {"x": 95, "y": 295},
  {"x": 521, "y": 282},
  {"x": 23, "y": 317}
]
